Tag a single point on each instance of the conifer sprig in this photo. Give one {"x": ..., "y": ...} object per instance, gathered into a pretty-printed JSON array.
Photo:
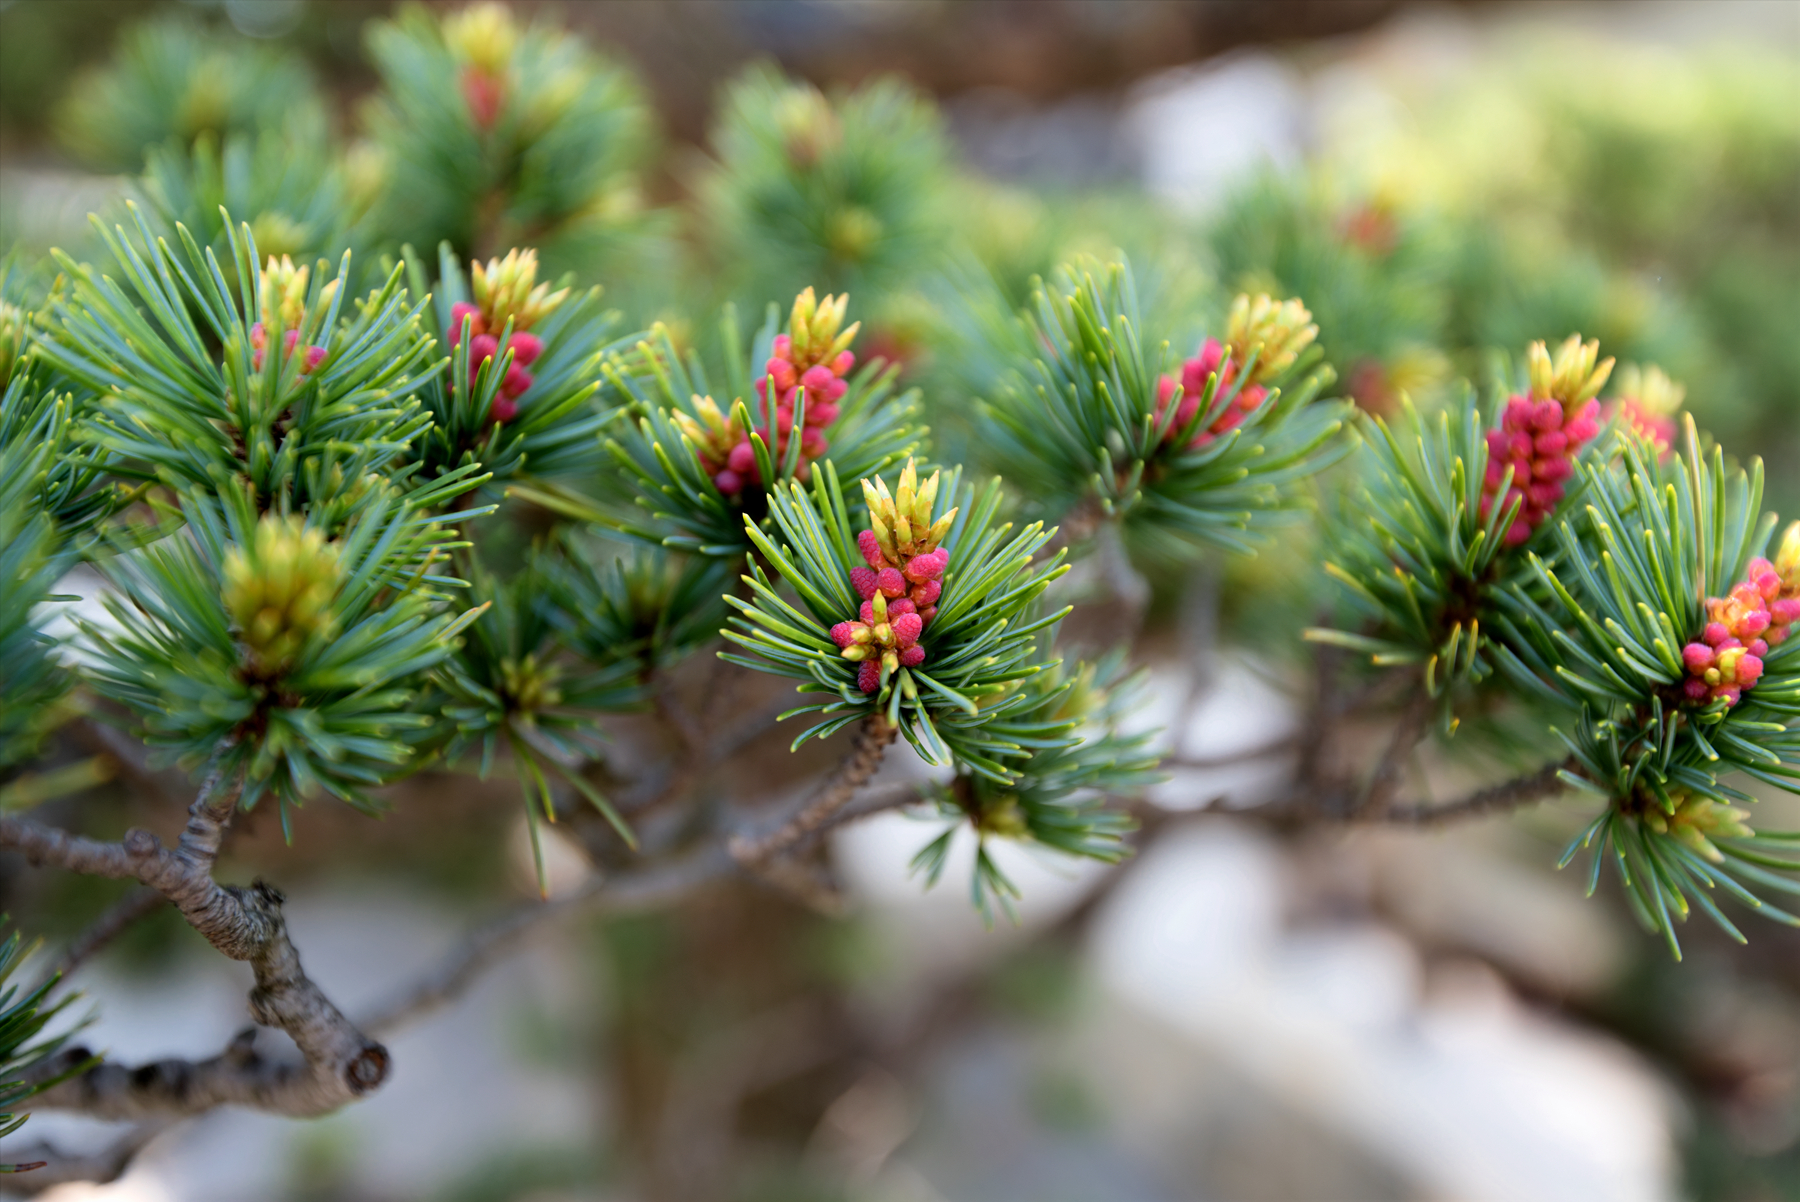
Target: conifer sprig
[
  {"x": 673, "y": 496},
  {"x": 1637, "y": 581},
  {"x": 496, "y": 134},
  {"x": 955, "y": 704},
  {"x": 510, "y": 682},
  {"x": 286, "y": 657},
  {"x": 281, "y": 380},
  {"x": 1086, "y": 416},
  {"x": 486, "y": 408},
  {"x": 1073, "y": 761}
]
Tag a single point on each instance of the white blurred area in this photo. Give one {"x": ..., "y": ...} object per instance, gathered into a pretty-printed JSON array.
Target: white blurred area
[{"x": 1439, "y": 1080}]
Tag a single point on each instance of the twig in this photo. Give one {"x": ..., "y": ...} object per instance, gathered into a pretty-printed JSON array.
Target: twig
[
  {"x": 1384, "y": 782},
  {"x": 99, "y": 1167},
  {"x": 1522, "y": 791},
  {"x": 872, "y": 739},
  {"x": 340, "y": 1065},
  {"x": 139, "y": 903},
  {"x": 892, "y": 797},
  {"x": 488, "y": 946},
  {"x": 1232, "y": 758},
  {"x": 125, "y": 752}
]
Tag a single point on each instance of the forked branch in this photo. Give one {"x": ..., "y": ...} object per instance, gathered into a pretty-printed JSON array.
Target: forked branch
[{"x": 340, "y": 1063}]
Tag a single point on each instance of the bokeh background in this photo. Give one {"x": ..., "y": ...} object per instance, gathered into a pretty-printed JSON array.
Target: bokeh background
[{"x": 1240, "y": 1013}]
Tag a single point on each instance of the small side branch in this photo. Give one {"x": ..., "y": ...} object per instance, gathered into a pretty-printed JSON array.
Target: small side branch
[
  {"x": 100, "y": 1167},
  {"x": 138, "y": 904},
  {"x": 872, "y": 740},
  {"x": 488, "y": 946},
  {"x": 1385, "y": 781},
  {"x": 1511, "y": 795}
]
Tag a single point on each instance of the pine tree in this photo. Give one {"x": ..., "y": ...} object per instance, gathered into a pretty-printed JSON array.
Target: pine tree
[{"x": 377, "y": 486}]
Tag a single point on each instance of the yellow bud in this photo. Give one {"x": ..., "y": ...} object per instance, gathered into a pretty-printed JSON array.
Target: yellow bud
[
  {"x": 905, "y": 490},
  {"x": 505, "y": 289},
  {"x": 939, "y": 529},
  {"x": 882, "y": 632},
  {"x": 283, "y": 296},
  {"x": 852, "y": 232},
  {"x": 925, "y": 502},
  {"x": 482, "y": 35},
  {"x": 903, "y": 533},
  {"x": 890, "y": 662},
  {"x": 279, "y": 588},
  {"x": 1698, "y": 820},
  {"x": 1655, "y": 393},
  {"x": 808, "y": 126},
  {"x": 1787, "y": 557},
  {"x": 1572, "y": 375},
  {"x": 884, "y": 537},
  {"x": 856, "y": 652},
  {"x": 1004, "y": 817},
  {"x": 1275, "y": 331},
  {"x": 691, "y": 429}
]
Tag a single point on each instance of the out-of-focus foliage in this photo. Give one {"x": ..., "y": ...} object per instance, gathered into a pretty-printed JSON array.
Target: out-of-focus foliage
[
  {"x": 173, "y": 81},
  {"x": 842, "y": 193}
]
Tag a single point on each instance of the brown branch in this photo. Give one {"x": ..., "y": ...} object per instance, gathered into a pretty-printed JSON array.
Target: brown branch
[
  {"x": 1384, "y": 782},
  {"x": 340, "y": 1063},
  {"x": 1510, "y": 795},
  {"x": 100, "y": 1167},
  {"x": 872, "y": 739},
  {"x": 639, "y": 890},
  {"x": 890, "y": 797},
  {"x": 486, "y": 947},
  {"x": 1233, "y": 758}
]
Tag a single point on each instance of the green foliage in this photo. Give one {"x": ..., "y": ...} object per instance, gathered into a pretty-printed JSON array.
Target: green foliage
[
  {"x": 173, "y": 81},
  {"x": 962, "y": 705},
  {"x": 844, "y": 194},
  {"x": 556, "y": 430},
  {"x": 24, "y": 1013},
  {"x": 496, "y": 136},
  {"x": 284, "y": 184},
  {"x": 32, "y": 558},
  {"x": 1418, "y": 563},
  {"x": 1072, "y": 760},
  {"x": 669, "y": 494},
  {"x": 1079, "y": 419},
  {"x": 643, "y": 603},
  {"x": 192, "y": 403},
  {"x": 510, "y": 683},
  {"x": 255, "y": 644}
]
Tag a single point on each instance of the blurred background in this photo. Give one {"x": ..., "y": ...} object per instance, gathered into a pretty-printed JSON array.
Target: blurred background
[{"x": 1239, "y": 1013}]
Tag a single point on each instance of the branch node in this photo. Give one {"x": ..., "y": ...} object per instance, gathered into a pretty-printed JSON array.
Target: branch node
[
  {"x": 368, "y": 1069},
  {"x": 141, "y": 844}
]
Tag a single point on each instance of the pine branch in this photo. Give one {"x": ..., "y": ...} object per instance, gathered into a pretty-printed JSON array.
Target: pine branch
[
  {"x": 340, "y": 1063},
  {"x": 1232, "y": 759},
  {"x": 1409, "y": 729},
  {"x": 1510, "y": 795},
  {"x": 872, "y": 740},
  {"x": 99, "y": 1167}
]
